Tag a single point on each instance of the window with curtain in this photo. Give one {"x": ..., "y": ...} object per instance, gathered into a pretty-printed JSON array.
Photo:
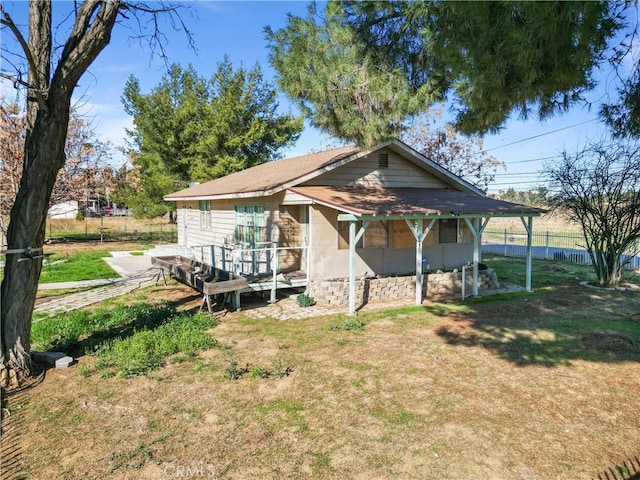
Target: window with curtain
[
  {"x": 204, "y": 206},
  {"x": 250, "y": 225}
]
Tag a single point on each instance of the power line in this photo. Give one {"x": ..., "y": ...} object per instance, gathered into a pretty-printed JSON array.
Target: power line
[
  {"x": 541, "y": 135},
  {"x": 519, "y": 183},
  {"x": 534, "y": 159},
  {"x": 516, "y": 174}
]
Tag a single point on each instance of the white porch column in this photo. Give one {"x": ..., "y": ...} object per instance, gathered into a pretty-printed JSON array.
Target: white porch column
[
  {"x": 352, "y": 267},
  {"x": 419, "y": 235},
  {"x": 528, "y": 226},
  {"x": 353, "y": 240},
  {"x": 476, "y": 227},
  {"x": 419, "y": 263}
]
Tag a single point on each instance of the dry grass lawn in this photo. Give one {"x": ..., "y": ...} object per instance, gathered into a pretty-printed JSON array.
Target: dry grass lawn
[
  {"x": 553, "y": 222},
  {"x": 541, "y": 386}
]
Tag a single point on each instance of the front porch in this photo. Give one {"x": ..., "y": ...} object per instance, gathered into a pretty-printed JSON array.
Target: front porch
[{"x": 266, "y": 267}]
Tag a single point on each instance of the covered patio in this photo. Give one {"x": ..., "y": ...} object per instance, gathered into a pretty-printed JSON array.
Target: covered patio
[{"x": 419, "y": 208}]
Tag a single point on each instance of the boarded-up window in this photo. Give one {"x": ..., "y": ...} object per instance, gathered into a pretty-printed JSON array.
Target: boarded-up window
[
  {"x": 464, "y": 234},
  {"x": 343, "y": 235},
  {"x": 403, "y": 236},
  {"x": 289, "y": 226},
  {"x": 375, "y": 236}
]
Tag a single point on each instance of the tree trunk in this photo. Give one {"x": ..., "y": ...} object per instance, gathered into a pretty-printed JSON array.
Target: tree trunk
[
  {"x": 48, "y": 104},
  {"x": 44, "y": 156}
]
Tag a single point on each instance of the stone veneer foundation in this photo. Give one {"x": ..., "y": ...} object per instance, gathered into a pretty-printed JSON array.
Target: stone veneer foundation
[{"x": 370, "y": 290}]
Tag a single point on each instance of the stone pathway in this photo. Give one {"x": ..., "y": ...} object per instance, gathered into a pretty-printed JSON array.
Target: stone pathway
[
  {"x": 76, "y": 301},
  {"x": 136, "y": 272},
  {"x": 288, "y": 309}
]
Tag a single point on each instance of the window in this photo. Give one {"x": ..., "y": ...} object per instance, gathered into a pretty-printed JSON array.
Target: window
[
  {"x": 205, "y": 214},
  {"x": 375, "y": 236},
  {"x": 453, "y": 230},
  {"x": 448, "y": 230},
  {"x": 250, "y": 224},
  {"x": 383, "y": 160}
]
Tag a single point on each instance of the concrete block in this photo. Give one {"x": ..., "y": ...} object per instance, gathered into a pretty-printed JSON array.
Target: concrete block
[{"x": 53, "y": 359}]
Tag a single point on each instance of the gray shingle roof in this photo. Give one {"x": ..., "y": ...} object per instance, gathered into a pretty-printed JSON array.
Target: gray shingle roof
[{"x": 266, "y": 178}]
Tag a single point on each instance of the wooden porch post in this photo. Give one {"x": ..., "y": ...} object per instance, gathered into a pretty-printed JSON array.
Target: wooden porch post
[
  {"x": 476, "y": 256},
  {"x": 274, "y": 267},
  {"x": 419, "y": 262}
]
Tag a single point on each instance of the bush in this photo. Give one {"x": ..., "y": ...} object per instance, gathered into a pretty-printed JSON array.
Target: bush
[{"x": 304, "y": 300}]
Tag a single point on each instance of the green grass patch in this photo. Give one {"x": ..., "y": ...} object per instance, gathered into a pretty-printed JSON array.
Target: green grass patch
[
  {"x": 81, "y": 331},
  {"x": 148, "y": 350},
  {"x": 546, "y": 273},
  {"x": 128, "y": 340},
  {"x": 85, "y": 265}
]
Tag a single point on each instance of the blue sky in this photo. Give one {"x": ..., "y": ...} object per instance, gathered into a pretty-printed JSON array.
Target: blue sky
[{"x": 236, "y": 29}]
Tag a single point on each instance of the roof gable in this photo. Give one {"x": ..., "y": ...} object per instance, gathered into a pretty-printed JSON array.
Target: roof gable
[{"x": 272, "y": 177}]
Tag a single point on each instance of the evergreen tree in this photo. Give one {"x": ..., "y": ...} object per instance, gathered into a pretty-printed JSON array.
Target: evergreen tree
[
  {"x": 190, "y": 129},
  {"x": 492, "y": 58}
]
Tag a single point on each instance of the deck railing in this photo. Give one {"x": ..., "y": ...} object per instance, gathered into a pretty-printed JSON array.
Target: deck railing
[{"x": 264, "y": 260}]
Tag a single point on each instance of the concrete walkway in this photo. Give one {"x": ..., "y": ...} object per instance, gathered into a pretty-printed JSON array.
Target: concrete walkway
[{"x": 136, "y": 272}]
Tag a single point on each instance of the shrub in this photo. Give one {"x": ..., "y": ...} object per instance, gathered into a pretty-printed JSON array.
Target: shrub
[
  {"x": 354, "y": 325},
  {"x": 304, "y": 300}
]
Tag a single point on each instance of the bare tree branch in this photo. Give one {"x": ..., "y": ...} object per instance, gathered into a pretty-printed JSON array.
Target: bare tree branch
[{"x": 41, "y": 83}]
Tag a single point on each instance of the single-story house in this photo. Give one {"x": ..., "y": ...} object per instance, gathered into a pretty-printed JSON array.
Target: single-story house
[
  {"x": 64, "y": 210},
  {"x": 345, "y": 215}
]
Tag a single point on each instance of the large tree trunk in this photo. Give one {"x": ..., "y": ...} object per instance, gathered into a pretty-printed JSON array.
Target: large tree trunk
[
  {"x": 48, "y": 105},
  {"x": 44, "y": 156}
]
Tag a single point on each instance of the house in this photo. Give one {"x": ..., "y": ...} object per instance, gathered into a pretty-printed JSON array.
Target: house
[
  {"x": 64, "y": 210},
  {"x": 343, "y": 215}
]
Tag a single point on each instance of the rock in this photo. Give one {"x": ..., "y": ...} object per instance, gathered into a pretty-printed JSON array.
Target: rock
[{"x": 53, "y": 359}]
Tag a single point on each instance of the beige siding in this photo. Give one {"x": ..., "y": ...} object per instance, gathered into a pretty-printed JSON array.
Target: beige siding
[
  {"x": 365, "y": 171},
  {"x": 291, "y": 198},
  {"x": 328, "y": 261},
  {"x": 223, "y": 220},
  {"x": 285, "y": 231}
]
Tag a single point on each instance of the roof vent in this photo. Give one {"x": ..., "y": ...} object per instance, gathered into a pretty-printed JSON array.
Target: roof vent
[{"x": 383, "y": 160}]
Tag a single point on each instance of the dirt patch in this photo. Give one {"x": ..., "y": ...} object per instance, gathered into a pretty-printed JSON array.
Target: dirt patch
[
  {"x": 609, "y": 340},
  {"x": 68, "y": 248},
  {"x": 624, "y": 286}
]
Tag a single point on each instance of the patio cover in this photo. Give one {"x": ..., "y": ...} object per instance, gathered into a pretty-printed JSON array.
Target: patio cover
[
  {"x": 412, "y": 202},
  {"x": 415, "y": 206}
]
